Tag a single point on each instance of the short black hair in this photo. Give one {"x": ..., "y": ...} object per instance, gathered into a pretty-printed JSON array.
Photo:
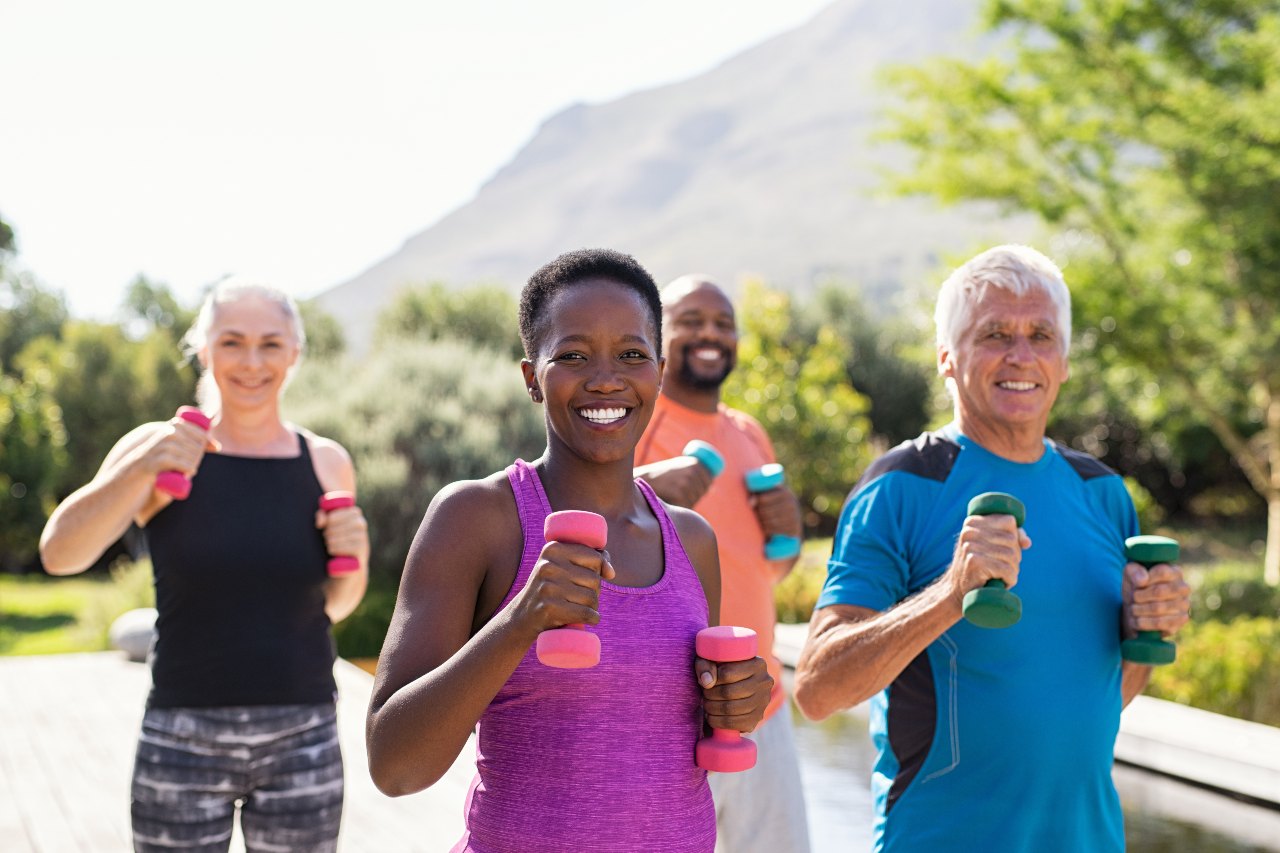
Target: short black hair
[{"x": 573, "y": 267}]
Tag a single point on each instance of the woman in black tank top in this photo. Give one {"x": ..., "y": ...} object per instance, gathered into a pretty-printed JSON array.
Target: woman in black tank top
[{"x": 241, "y": 711}]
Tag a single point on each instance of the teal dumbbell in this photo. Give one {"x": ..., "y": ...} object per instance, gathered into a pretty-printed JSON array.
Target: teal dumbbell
[
  {"x": 993, "y": 606},
  {"x": 1150, "y": 647},
  {"x": 762, "y": 479},
  {"x": 707, "y": 455}
]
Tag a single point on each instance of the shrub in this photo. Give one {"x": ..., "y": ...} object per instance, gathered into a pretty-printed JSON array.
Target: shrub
[
  {"x": 1230, "y": 668},
  {"x": 1231, "y": 591},
  {"x": 798, "y": 592},
  {"x": 420, "y": 415}
]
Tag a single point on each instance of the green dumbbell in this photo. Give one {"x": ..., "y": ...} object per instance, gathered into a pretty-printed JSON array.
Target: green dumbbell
[
  {"x": 1150, "y": 647},
  {"x": 993, "y": 606}
]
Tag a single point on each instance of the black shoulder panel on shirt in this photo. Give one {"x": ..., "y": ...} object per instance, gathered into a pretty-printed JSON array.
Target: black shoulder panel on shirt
[
  {"x": 930, "y": 455},
  {"x": 1086, "y": 467}
]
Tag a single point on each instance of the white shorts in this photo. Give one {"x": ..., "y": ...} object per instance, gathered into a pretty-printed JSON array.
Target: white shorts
[{"x": 761, "y": 810}]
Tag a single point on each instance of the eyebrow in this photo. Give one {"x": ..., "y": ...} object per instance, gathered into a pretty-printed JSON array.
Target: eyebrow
[
  {"x": 234, "y": 333},
  {"x": 586, "y": 339}
]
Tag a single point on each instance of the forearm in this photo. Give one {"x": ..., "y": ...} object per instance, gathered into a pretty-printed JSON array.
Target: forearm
[
  {"x": 417, "y": 733},
  {"x": 342, "y": 595},
  {"x": 1133, "y": 680},
  {"x": 93, "y": 517},
  {"x": 846, "y": 661}
]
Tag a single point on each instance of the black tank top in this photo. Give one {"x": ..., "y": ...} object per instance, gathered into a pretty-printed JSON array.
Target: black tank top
[{"x": 240, "y": 570}]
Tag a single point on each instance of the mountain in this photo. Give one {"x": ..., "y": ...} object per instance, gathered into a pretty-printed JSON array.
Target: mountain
[{"x": 761, "y": 167}]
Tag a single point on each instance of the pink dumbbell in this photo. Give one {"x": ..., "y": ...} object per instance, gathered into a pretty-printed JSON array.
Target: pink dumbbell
[
  {"x": 175, "y": 483},
  {"x": 573, "y": 646},
  {"x": 726, "y": 751},
  {"x": 340, "y": 564}
]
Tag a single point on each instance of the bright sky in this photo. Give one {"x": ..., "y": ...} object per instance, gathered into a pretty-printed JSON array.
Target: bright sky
[{"x": 300, "y": 140}]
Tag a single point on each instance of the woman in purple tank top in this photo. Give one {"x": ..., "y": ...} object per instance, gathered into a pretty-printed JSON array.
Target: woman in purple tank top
[{"x": 594, "y": 759}]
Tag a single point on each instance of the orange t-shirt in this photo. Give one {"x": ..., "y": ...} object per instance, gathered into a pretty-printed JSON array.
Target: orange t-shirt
[{"x": 746, "y": 577}]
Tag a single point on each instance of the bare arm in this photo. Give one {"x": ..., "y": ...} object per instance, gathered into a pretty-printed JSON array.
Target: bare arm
[
  {"x": 852, "y": 653},
  {"x": 735, "y": 695},
  {"x": 123, "y": 491},
  {"x": 435, "y": 676},
  {"x": 346, "y": 531},
  {"x": 680, "y": 481}
]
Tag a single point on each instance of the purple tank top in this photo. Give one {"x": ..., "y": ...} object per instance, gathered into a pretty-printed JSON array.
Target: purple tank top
[{"x": 599, "y": 759}]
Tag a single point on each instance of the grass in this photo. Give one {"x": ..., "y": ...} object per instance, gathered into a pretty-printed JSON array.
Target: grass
[{"x": 53, "y": 615}]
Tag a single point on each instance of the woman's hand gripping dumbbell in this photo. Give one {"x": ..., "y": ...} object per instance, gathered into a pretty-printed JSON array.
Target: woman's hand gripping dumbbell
[
  {"x": 176, "y": 484},
  {"x": 340, "y": 563},
  {"x": 736, "y": 690},
  {"x": 573, "y": 646}
]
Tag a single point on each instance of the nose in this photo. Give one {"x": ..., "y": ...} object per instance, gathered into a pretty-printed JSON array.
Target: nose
[
  {"x": 1020, "y": 351},
  {"x": 605, "y": 377}
]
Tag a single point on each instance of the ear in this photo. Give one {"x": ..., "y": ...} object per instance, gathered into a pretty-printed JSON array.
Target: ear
[
  {"x": 530, "y": 380},
  {"x": 946, "y": 365},
  {"x": 662, "y": 369}
]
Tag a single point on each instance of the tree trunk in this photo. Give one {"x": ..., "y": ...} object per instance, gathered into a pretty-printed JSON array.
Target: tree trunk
[{"x": 1271, "y": 566}]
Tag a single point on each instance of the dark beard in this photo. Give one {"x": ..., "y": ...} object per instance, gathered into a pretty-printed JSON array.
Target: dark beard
[{"x": 704, "y": 382}]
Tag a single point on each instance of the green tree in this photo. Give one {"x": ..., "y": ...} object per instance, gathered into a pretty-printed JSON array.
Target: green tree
[
  {"x": 797, "y": 386},
  {"x": 152, "y": 306},
  {"x": 28, "y": 310},
  {"x": 325, "y": 338},
  {"x": 482, "y": 315},
  {"x": 32, "y": 457},
  {"x": 105, "y": 384},
  {"x": 1147, "y": 134},
  {"x": 423, "y": 415},
  {"x": 881, "y": 363}
]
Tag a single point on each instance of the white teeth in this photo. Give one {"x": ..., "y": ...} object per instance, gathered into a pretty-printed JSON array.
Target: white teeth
[
  {"x": 1017, "y": 386},
  {"x": 603, "y": 416},
  {"x": 707, "y": 354}
]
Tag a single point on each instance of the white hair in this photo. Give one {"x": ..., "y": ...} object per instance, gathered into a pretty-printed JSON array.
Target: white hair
[
  {"x": 1016, "y": 269},
  {"x": 232, "y": 289}
]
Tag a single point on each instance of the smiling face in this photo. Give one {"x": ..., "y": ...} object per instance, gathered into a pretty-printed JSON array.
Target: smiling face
[
  {"x": 251, "y": 346},
  {"x": 597, "y": 369},
  {"x": 700, "y": 339},
  {"x": 1007, "y": 366}
]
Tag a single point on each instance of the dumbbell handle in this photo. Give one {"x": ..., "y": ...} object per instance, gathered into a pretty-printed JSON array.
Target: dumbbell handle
[
  {"x": 176, "y": 484},
  {"x": 707, "y": 456},
  {"x": 993, "y": 606},
  {"x": 573, "y": 646},
  {"x": 340, "y": 564},
  {"x": 779, "y": 546},
  {"x": 726, "y": 751},
  {"x": 1150, "y": 647},
  {"x": 998, "y": 503}
]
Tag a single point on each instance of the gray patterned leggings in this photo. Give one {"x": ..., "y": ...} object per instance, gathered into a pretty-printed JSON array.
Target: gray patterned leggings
[{"x": 280, "y": 764}]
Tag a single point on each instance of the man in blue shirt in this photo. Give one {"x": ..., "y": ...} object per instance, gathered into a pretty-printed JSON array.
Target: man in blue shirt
[{"x": 990, "y": 739}]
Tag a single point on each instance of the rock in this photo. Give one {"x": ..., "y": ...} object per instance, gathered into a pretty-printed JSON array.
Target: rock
[{"x": 134, "y": 632}]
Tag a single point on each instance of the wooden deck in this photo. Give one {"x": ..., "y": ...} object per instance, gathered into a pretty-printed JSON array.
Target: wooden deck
[{"x": 68, "y": 725}]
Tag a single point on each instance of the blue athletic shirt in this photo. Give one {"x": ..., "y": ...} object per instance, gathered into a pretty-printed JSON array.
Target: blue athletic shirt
[{"x": 994, "y": 739}]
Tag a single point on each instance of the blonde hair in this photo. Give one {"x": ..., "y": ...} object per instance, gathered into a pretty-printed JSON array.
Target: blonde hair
[{"x": 233, "y": 289}]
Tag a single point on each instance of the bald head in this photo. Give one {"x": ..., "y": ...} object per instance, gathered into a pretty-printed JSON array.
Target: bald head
[
  {"x": 700, "y": 339},
  {"x": 681, "y": 287}
]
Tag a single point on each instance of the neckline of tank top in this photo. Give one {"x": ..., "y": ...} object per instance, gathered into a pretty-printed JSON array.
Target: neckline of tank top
[
  {"x": 300, "y": 452},
  {"x": 670, "y": 550}
]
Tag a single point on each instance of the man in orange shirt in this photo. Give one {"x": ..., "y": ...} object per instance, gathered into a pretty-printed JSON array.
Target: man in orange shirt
[{"x": 761, "y": 809}]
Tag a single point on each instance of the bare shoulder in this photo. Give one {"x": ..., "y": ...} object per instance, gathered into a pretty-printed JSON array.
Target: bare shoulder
[
  {"x": 333, "y": 464},
  {"x": 470, "y": 527},
  {"x": 695, "y": 533}
]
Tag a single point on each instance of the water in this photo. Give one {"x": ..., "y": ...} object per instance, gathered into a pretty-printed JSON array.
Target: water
[{"x": 1161, "y": 815}]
